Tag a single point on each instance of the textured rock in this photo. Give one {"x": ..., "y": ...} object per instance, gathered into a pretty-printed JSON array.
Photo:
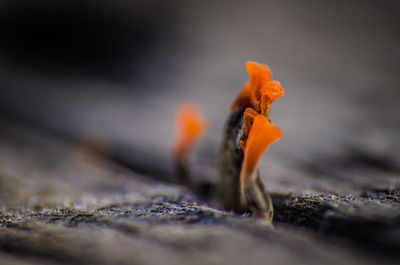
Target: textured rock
[
  {"x": 62, "y": 204},
  {"x": 93, "y": 182}
]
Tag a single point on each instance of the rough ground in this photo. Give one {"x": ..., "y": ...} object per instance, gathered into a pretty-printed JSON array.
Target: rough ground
[
  {"x": 85, "y": 168},
  {"x": 65, "y": 204}
]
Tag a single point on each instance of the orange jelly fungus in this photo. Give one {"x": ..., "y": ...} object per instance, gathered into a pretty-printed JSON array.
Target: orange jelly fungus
[
  {"x": 273, "y": 90},
  {"x": 248, "y": 118},
  {"x": 262, "y": 134},
  {"x": 191, "y": 126},
  {"x": 260, "y": 75},
  {"x": 268, "y": 94}
]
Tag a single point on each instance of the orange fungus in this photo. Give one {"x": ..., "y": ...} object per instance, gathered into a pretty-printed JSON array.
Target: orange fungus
[
  {"x": 260, "y": 75},
  {"x": 268, "y": 94},
  {"x": 273, "y": 90},
  {"x": 191, "y": 126},
  {"x": 248, "y": 118},
  {"x": 262, "y": 134}
]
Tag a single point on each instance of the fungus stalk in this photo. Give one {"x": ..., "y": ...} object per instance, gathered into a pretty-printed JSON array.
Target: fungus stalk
[{"x": 248, "y": 134}]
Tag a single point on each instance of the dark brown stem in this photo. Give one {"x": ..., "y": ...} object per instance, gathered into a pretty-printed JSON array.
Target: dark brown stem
[{"x": 230, "y": 163}]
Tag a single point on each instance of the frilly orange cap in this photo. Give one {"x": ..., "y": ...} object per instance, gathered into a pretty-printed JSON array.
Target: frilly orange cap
[
  {"x": 273, "y": 90},
  {"x": 191, "y": 126},
  {"x": 260, "y": 75},
  {"x": 262, "y": 134},
  {"x": 269, "y": 93}
]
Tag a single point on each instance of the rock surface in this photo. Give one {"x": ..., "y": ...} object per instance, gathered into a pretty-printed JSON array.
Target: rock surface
[
  {"x": 66, "y": 204},
  {"x": 85, "y": 168}
]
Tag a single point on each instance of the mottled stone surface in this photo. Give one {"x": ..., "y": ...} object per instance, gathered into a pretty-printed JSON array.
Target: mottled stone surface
[
  {"x": 85, "y": 154},
  {"x": 64, "y": 204}
]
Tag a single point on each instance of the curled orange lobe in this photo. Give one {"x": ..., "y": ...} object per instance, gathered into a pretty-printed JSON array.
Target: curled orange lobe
[
  {"x": 273, "y": 90},
  {"x": 262, "y": 134},
  {"x": 260, "y": 75},
  {"x": 248, "y": 118},
  {"x": 268, "y": 94}
]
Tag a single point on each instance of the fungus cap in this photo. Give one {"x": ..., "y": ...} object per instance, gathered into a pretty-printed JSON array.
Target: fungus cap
[
  {"x": 273, "y": 90},
  {"x": 262, "y": 134},
  {"x": 260, "y": 75}
]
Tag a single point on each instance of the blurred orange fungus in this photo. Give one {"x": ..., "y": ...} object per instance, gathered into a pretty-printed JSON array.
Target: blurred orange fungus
[{"x": 190, "y": 127}]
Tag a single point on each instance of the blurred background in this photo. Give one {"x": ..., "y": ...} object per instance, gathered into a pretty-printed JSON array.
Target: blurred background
[{"x": 115, "y": 72}]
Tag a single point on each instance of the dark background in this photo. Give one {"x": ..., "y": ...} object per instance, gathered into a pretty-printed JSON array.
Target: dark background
[{"x": 115, "y": 72}]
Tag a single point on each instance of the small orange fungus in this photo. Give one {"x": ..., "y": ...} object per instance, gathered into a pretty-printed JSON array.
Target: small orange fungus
[
  {"x": 268, "y": 94},
  {"x": 260, "y": 75},
  {"x": 248, "y": 118},
  {"x": 262, "y": 134},
  {"x": 273, "y": 90},
  {"x": 191, "y": 126}
]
